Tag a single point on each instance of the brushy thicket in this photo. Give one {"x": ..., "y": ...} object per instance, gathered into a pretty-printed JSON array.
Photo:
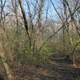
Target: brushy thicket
[
  {"x": 24, "y": 54},
  {"x": 16, "y": 45}
]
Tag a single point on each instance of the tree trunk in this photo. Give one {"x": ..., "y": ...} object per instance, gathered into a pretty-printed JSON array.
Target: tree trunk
[{"x": 5, "y": 64}]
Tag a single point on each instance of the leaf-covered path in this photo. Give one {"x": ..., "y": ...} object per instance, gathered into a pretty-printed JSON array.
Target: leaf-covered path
[{"x": 47, "y": 72}]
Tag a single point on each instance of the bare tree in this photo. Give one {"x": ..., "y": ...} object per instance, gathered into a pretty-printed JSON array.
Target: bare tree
[{"x": 25, "y": 20}]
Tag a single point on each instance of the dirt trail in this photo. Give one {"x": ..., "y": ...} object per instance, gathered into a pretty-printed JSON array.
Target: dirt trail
[{"x": 47, "y": 72}]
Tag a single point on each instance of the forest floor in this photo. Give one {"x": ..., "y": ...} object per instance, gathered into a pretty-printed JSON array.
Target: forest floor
[
  {"x": 55, "y": 70},
  {"x": 47, "y": 72}
]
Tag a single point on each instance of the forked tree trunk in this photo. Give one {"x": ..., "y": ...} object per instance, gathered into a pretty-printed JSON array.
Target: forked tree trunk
[
  {"x": 5, "y": 64},
  {"x": 3, "y": 58}
]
